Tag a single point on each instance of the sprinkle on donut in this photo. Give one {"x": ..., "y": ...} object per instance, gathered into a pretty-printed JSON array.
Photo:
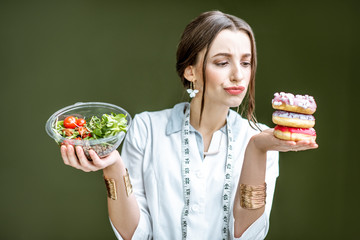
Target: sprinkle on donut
[
  {"x": 298, "y": 103},
  {"x": 286, "y": 114}
]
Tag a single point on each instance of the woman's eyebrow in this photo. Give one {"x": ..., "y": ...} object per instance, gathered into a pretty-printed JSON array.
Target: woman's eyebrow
[{"x": 229, "y": 55}]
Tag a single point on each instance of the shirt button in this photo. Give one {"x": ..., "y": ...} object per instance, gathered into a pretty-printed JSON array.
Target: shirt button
[{"x": 195, "y": 208}]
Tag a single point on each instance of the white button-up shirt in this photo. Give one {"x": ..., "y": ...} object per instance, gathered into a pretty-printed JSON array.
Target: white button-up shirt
[{"x": 152, "y": 153}]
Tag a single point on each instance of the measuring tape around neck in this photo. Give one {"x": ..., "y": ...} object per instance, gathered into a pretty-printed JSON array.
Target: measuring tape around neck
[{"x": 186, "y": 178}]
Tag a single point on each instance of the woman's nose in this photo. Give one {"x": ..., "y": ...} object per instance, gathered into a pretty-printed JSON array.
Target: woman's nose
[{"x": 237, "y": 73}]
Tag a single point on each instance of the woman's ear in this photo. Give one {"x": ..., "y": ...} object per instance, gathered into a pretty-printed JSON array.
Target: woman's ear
[{"x": 189, "y": 73}]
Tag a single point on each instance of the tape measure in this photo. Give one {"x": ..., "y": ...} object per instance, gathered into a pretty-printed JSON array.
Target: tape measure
[{"x": 186, "y": 178}]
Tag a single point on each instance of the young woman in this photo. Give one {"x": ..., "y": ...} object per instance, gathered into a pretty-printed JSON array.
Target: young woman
[{"x": 198, "y": 170}]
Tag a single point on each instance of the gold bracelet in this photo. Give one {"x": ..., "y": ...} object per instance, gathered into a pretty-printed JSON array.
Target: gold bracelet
[
  {"x": 111, "y": 186},
  {"x": 252, "y": 197},
  {"x": 128, "y": 186}
]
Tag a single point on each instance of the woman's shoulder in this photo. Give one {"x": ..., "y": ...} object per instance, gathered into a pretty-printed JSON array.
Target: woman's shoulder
[
  {"x": 163, "y": 113},
  {"x": 149, "y": 115},
  {"x": 160, "y": 117}
]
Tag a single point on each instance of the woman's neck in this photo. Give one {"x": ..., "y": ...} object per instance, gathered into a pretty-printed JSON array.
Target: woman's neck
[{"x": 213, "y": 117}]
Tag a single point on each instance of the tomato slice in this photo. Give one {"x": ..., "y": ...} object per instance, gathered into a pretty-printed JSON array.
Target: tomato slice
[{"x": 70, "y": 122}]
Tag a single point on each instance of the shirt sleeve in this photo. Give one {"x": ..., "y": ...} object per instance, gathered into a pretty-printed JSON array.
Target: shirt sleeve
[
  {"x": 260, "y": 227},
  {"x": 133, "y": 152}
]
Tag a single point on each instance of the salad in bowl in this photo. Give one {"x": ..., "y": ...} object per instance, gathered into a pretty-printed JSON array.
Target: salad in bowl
[{"x": 91, "y": 125}]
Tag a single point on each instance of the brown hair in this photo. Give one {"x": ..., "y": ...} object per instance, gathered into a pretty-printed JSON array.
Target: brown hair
[{"x": 198, "y": 35}]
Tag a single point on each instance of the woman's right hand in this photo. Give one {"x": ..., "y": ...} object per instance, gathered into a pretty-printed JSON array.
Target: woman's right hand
[
  {"x": 266, "y": 141},
  {"x": 78, "y": 160}
]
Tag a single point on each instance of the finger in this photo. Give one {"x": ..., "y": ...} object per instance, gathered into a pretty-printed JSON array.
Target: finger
[
  {"x": 307, "y": 144},
  {"x": 285, "y": 143},
  {"x": 290, "y": 143},
  {"x": 303, "y": 142},
  {"x": 104, "y": 162},
  {"x": 99, "y": 163},
  {"x": 84, "y": 162},
  {"x": 305, "y": 147},
  {"x": 64, "y": 155},
  {"x": 315, "y": 145},
  {"x": 296, "y": 146},
  {"x": 73, "y": 160}
]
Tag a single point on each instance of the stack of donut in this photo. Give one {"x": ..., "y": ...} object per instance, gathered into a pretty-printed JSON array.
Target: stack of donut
[{"x": 293, "y": 117}]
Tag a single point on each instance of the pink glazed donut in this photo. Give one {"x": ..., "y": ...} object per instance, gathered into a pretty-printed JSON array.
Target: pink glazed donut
[
  {"x": 294, "y": 134},
  {"x": 304, "y": 104}
]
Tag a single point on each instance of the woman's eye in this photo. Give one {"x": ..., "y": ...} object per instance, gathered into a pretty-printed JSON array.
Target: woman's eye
[
  {"x": 222, "y": 64},
  {"x": 246, "y": 64}
]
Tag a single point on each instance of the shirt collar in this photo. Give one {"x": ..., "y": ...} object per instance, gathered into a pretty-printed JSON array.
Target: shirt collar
[
  {"x": 176, "y": 118},
  {"x": 178, "y": 113}
]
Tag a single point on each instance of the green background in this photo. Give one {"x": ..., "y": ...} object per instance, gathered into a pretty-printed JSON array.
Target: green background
[{"x": 56, "y": 53}]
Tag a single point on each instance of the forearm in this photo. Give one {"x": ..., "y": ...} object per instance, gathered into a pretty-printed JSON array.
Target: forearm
[
  {"x": 252, "y": 173},
  {"x": 124, "y": 211}
]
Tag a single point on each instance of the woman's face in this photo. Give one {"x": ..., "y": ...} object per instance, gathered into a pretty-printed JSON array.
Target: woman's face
[{"x": 228, "y": 69}]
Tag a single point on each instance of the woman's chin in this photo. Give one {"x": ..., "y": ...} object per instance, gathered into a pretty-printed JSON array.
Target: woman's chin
[{"x": 235, "y": 104}]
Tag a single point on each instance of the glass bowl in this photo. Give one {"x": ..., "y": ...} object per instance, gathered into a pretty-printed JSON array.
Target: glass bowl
[{"x": 86, "y": 110}]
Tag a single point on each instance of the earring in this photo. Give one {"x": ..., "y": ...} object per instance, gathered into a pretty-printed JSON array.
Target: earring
[{"x": 192, "y": 91}]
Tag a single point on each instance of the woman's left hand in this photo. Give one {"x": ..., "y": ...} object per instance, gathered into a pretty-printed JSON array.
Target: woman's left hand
[{"x": 266, "y": 141}]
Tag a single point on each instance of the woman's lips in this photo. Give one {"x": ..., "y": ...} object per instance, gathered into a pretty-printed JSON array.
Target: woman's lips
[{"x": 235, "y": 90}]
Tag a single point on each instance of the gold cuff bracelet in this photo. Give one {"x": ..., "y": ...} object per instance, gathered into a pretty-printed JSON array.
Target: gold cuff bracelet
[
  {"x": 128, "y": 186},
  {"x": 111, "y": 188},
  {"x": 252, "y": 197}
]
